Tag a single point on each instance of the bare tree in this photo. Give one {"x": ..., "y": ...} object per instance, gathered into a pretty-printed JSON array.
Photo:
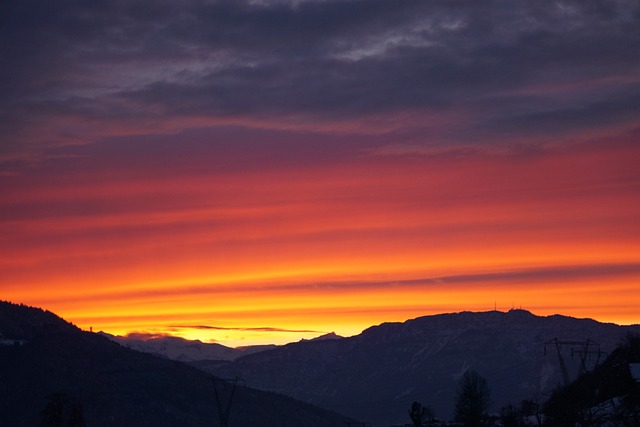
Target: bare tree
[
  {"x": 473, "y": 398},
  {"x": 422, "y": 416}
]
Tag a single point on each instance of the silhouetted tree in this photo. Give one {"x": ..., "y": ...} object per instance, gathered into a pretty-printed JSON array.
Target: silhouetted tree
[
  {"x": 76, "y": 415},
  {"x": 629, "y": 413},
  {"x": 510, "y": 416},
  {"x": 532, "y": 408},
  {"x": 473, "y": 398},
  {"x": 52, "y": 414},
  {"x": 62, "y": 411},
  {"x": 608, "y": 394},
  {"x": 421, "y": 416}
]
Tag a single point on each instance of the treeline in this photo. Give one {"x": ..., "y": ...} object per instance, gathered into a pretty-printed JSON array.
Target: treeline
[{"x": 607, "y": 396}]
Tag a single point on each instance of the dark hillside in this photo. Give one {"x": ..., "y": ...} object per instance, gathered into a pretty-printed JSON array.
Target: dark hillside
[
  {"x": 45, "y": 361},
  {"x": 375, "y": 376}
]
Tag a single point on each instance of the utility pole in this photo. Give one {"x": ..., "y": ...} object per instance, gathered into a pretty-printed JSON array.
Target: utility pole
[{"x": 223, "y": 413}]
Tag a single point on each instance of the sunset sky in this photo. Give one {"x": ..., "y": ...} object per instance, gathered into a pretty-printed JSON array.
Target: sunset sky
[{"x": 264, "y": 171}]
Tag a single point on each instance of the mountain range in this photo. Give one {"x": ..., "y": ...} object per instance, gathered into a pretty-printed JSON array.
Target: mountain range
[
  {"x": 52, "y": 371},
  {"x": 183, "y": 350},
  {"x": 373, "y": 376},
  {"x": 376, "y": 375}
]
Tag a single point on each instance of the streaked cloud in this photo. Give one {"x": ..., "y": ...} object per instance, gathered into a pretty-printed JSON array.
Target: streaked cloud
[
  {"x": 247, "y": 329},
  {"x": 292, "y": 163}
]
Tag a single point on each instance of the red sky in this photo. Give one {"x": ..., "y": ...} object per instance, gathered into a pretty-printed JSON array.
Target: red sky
[{"x": 201, "y": 186}]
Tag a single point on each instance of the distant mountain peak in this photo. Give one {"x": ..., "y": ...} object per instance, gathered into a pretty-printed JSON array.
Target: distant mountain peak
[
  {"x": 519, "y": 311},
  {"x": 329, "y": 336},
  {"x": 182, "y": 349},
  {"x": 326, "y": 337}
]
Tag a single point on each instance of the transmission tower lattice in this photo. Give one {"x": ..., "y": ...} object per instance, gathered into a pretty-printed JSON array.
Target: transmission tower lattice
[{"x": 582, "y": 348}]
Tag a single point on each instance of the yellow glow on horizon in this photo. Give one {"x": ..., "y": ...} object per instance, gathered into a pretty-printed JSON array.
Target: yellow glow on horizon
[
  {"x": 330, "y": 249},
  {"x": 344, "y": 307}
]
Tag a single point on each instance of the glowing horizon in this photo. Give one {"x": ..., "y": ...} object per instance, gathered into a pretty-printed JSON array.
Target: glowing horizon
[
  {"x": 346, "y": 255},
  {"x": 261, "y": 178}
]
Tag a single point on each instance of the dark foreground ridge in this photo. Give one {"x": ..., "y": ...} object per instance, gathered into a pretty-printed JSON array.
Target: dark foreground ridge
[{"x": 52, "y": 371}]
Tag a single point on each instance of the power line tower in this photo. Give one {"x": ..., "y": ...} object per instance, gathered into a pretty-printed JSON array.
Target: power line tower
[
  {"x": 589, "y": 348},
  {"x": 581, "y": 348},
  {"x": 223, "y": 412}
]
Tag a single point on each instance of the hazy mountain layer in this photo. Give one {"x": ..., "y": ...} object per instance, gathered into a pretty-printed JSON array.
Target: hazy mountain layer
[{"x": 176, "y": 348}]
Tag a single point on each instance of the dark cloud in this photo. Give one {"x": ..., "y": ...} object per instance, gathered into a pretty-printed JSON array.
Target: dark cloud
[
  {"x": 120, "y": 64},
  {"x": 148, "y": 336},
  {"x": 526, "y": 276},
  {"x": 542, "y": 275},
  {"x": 260, "y": 329},
  {"x": 621, "y": 107}
]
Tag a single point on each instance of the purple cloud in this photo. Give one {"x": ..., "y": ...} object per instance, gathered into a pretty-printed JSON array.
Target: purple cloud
[{"x": 78, "y": 72}]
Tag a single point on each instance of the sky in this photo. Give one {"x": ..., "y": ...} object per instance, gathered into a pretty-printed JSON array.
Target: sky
[{"x": 251, "y": 172}]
